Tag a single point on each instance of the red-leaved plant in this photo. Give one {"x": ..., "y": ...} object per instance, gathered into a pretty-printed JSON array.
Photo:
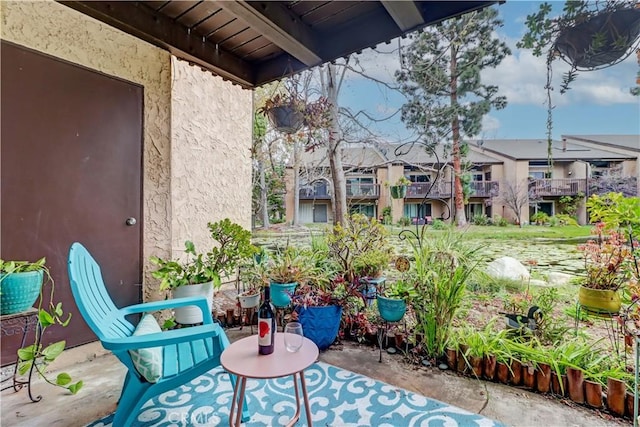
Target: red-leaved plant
[{"x": 607, "y": 259}]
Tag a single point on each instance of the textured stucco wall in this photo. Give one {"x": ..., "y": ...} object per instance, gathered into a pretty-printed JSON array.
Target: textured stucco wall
[
  {"x": 211, "y": 154},
  {"x": 59, "y": 31}
]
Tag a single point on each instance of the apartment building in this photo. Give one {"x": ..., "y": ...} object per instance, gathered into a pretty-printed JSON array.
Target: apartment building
[{"x": 581, "y": 166}]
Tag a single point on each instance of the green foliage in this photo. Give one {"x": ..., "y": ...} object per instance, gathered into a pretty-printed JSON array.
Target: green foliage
[
  {"x": 386, "y": 215},
  {"x": 540, "y": 218},
  {"x": 439, "y": 224},
  {"x": 425, "y": 77},
  {"x": 500, "y": 221},
  {"x": 440, "y": 272},
  {"x": 39, "y": 356},
  {"x": 401, "y": 289},
  {"x": 233, "y": 246},
  {"x": 405, "y": 221},
  {"x": 616, "y": 211},
  {"x": 480, "y": 219},
  {"x": 371, "y": 263},
  {"x": 564, "y": 220},
  {"x": 356, "y": 239}
]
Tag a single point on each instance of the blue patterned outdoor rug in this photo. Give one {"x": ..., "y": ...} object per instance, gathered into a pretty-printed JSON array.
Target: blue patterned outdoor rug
[{"x": 338, "y": 398}]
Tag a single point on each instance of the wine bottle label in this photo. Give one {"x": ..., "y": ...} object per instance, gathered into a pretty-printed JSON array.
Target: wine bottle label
[{"x": 264, "y": 331}]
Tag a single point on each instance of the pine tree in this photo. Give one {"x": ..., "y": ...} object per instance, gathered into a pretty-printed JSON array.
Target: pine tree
[{"x": 441, "y": 79}]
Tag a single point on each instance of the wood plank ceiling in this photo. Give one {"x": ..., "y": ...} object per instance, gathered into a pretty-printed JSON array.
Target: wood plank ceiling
[{"x": 255, "y": 42}]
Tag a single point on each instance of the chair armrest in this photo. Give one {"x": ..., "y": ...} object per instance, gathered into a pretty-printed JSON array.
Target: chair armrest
[
  {"x": 162, "y": 338},
  {"x": 200, "y": 302}
]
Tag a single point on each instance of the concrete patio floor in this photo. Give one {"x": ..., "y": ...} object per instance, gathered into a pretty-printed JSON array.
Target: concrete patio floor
[{"x": 102, "y": 375}]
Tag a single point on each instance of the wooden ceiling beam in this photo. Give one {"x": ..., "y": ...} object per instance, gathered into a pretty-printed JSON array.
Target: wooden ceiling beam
[
  {"x": 279, "y": 25},
  {"x": 143, "y": 22},
  {"x": 405, "y": 14}
]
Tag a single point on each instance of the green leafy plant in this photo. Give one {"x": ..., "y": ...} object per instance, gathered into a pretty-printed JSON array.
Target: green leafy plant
[
  {"x": 233, "y": 246},
  {"x": 38, "y": 356},
  {"x": 540, "y": 218},
  {"x": 356, "y": 239},
  {"x": 371, "y": 263},
  {"x": 442, "y": 267},
  {"x": 401, "y": 289}
]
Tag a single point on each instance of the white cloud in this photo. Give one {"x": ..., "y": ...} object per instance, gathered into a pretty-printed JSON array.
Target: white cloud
[
  {"x": 490, "y": 127},
  {"x": 521, "y": 77}
]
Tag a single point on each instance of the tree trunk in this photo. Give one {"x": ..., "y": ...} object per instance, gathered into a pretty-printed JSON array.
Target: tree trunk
[
  {"x": 264, "y": 201},
  {"x": 335, "y": 151},
  {"x": 296, "y": 184},
  {"x": 460, "y": 217}
]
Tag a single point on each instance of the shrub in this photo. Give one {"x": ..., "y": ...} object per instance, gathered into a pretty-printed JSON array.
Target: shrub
[
  {"x": 540, "y": 218},
  {"x": 439, "y": 224},
  {"x": 404, "y": 221},
  {"x": 500, "y": 221},
  {"x": 480, "y": 219}
]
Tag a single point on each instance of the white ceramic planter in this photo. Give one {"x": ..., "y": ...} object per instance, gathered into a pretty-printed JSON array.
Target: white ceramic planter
[
  {"x": 191, "y": 314},
  {"x": 249, "y": 301}
]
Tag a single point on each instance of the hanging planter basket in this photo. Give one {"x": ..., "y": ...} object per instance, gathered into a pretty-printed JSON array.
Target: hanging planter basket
[
  {"x": 398, "y": 191},
  {"x": 604, "y": 302},
  {"x": 286, "y": 118},
  {"x": 601, "y": 40}
]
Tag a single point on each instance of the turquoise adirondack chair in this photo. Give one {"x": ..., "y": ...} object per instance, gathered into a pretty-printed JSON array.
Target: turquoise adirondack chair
[{"x": 186, "y": 353}]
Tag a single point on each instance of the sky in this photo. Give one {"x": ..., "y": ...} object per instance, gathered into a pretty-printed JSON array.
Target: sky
[{"x": 598, "y": 102}]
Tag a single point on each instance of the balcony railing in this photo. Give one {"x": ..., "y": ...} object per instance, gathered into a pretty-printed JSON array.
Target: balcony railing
[
  {"x": 485, "y": 188},
  {"x": 363, "y": 190},
  {"x": 557, "y": 187},
  {"x": 440, "y": 190},
  {"x": 318, "y": 192}
]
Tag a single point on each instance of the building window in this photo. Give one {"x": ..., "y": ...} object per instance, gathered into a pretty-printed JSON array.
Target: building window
[
  {"x": 411, "y": 210},
  {"x": 419, "y": 178},
  {"x": 367, "y": 210}
]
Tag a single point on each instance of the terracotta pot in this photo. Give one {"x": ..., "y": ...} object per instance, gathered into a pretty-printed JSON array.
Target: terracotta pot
[
  {"x": 462, "y": 363},
  {"x": 628, "y": 405},
  {"x": 529, "y": 376},
  {"x": 593, "y": 394},
  {"x": 502, "y": 372},
  {"x": 452, "y": 358},
  {"x": 515, "y": 376},
  {"x": 476, "y": 365},
  {"x": 489, "y": 367},
  {"x": 555, "y": 384},
  {"x": 543, "y": 378},
  {"x": 575, "y": 379},
  {"x": 616, "y": 390}
]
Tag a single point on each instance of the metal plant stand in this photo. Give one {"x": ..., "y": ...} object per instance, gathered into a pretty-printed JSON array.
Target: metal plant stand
[{"x": 17, "y": 323}]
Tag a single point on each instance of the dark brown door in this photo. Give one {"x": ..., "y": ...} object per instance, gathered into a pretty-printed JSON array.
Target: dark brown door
[{"x": 71, "y": 159}]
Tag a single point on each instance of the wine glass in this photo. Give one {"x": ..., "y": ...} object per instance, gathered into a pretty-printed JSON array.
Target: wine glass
[{"x": 293, "y": 336}]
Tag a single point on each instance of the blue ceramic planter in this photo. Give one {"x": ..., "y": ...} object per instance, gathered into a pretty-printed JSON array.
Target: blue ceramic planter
[
  {"x": 320, "y": 324},
  {"x": 19, "y": 291},
  {"x": 391, "y": 309},
  {"x": 281, "y": 294}
]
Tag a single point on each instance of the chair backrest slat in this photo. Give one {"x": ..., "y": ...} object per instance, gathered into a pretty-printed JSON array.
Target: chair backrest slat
[{"x": 92, "y": 298}]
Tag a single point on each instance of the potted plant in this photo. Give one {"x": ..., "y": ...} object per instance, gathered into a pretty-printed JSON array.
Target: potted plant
[
  {"x": 319, "y": 306},
  {"x": 392, "y": 301},
  {"x": 287, "y": 268},
  {"x": 19, "y": 280},
  {"x": 20, "y": 284},
  {"x": 606, "y": 263},
  {"x": 287, "y": 112},
  {"x": 399, "y": 189},
  {"x": 201, "y": 273},
  {"x": 254, "y": 277}
]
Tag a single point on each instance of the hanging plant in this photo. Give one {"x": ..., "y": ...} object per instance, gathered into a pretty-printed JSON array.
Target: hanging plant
[
  {"x": 285, "y": 112},
  {"x": 587, "y": 35},
  {"x": 288, "y": 113}
]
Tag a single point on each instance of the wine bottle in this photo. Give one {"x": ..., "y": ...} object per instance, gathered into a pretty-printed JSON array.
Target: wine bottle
[{"x": 266, "y": 324}]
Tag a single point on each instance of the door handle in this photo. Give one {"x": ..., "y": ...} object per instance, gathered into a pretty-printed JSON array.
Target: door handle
[{"x": 130, "y": 221}]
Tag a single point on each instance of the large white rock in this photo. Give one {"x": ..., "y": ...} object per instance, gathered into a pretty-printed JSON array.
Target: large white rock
[
  {"x": 557, "y": 278},
  {"x": 507, "y": 268}
]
